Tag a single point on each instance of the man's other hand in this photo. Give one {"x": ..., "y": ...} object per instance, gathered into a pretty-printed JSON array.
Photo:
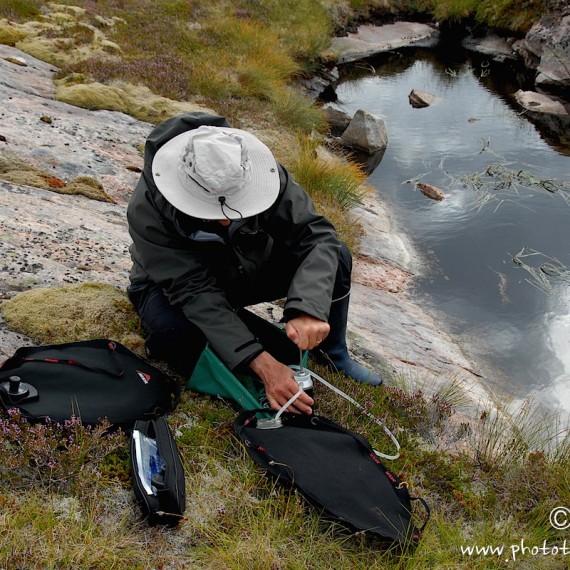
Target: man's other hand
[{"x": 307, "y": 332}]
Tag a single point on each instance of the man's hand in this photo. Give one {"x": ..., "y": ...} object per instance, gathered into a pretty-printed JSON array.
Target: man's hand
[
  {"x": 307, "y": 332},
  {"x": 280, "y": 385}
]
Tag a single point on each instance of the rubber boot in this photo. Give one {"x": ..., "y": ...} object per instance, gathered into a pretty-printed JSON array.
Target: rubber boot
[{"x": 334, "y": 352}]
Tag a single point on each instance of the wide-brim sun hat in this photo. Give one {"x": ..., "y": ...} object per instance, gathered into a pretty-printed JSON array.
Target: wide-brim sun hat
[{"x": 217, "y": 173}]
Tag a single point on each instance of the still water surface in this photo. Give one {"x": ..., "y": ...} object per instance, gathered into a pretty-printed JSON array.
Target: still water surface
[{"x": 513, "y": 319}]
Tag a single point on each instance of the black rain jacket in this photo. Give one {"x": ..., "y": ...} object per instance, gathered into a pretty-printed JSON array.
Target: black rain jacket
[{"x": 209, "y": 271}]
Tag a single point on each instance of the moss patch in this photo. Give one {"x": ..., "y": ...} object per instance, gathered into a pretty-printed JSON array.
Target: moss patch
[
  {"x": 72, "y": 313},
  {"x": 18, "y": 172},
  {"x": 93, "y": 96},
  {"x": 135, "y": 100},
  {"x": 88, "y": 187}
]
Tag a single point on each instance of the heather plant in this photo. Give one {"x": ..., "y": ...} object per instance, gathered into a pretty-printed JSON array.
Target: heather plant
[{"x": 66, "y": 457}]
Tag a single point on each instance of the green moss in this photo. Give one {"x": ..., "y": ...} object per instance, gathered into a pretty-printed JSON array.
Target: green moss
[
  {"x": 74, "y": 312},
  {"x": 25, "y": 178},
  {"x": 93, "y": 96},
  {"x": 19, "y": 172},
  {"x": 88, "y": 187}
]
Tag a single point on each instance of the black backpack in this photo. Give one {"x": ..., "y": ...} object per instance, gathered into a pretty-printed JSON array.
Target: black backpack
[{"x": 90, "y": 380}]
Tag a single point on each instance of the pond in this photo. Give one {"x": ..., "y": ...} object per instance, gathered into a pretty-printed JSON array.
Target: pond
[{"x": 497, "y": 247}]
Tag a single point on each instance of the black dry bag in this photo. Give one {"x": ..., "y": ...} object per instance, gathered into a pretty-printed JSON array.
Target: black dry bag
[
  {"x": 336, "y": 470},
  {"x": 90, "y": 380}
]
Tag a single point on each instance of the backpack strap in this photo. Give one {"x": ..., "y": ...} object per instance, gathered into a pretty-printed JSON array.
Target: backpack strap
[
  {"x": 427, "y": 509},
  {"x": 117, "y": 372}
]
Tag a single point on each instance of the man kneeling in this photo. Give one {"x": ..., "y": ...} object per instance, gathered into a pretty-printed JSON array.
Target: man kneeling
[{"x": 217, "y": 225}]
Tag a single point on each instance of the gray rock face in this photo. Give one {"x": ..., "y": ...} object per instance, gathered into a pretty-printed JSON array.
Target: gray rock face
[
  {"x": 549, "y": 42},
  {"x": 50, "y": 239},
  {"x": 75, "y": 142}
]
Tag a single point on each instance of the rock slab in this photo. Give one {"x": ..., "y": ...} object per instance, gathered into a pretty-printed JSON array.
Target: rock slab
[{"x": 370, "y": 40}]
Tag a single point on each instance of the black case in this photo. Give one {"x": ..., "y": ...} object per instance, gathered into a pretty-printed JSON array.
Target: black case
[{"x": 168, "y": 504}]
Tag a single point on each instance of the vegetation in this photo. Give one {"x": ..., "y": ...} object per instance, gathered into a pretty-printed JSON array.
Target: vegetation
[
  {"x": 489, "y": 482},
  {"x": 67, "y": 501},
  {"x": 18, "y": 172},
  {"x": 65, "y": 494}
]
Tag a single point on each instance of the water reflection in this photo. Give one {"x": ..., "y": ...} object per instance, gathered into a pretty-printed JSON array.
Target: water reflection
[{"x": 520, "y": 332}]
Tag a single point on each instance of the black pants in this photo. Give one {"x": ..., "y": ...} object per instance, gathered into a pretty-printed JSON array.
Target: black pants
[{"x": 172, "y": 338}]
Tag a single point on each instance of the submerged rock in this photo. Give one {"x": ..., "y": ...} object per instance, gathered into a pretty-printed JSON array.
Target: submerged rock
[
  {"x": 430, "y": 191},
  {"x": 492, "y": 45},
  {"x": 419, "y": 98}
]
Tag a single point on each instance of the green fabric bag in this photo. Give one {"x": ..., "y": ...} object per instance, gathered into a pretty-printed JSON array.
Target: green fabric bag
[{"x": 211, "y": 376}]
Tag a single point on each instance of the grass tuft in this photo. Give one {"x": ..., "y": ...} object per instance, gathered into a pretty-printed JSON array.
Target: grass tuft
[
  {"x": 343, "y": 181},
  {"x": 10, "y": 34},
  {"x": 296, "y": 112}
]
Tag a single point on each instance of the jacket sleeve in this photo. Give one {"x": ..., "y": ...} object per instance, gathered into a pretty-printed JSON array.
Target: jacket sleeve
[
  {"x": 313, "y": 241},
  {"x": 180, "y": 268}
]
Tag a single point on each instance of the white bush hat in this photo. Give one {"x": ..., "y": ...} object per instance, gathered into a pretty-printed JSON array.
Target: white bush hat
[{"x": 214, "y": 173}]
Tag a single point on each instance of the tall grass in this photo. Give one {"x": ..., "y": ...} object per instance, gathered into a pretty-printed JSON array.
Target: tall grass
[
  {"x": 335, "y": 185},
  {"x": 215, "y": 50},
  {"x": 454, "y": 10},
  {"x": 513, "y": 15},
  {"x": 343, "y": 181}
]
